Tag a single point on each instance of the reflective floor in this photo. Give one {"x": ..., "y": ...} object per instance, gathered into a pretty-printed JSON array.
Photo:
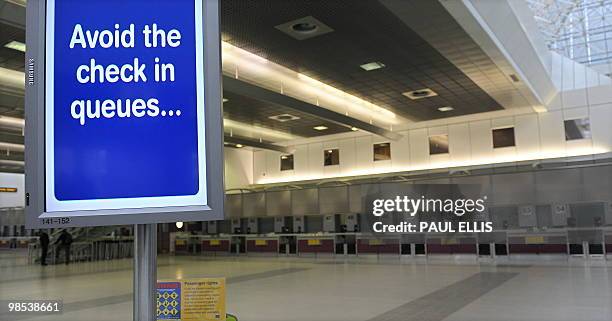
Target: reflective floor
[{"x": 269, "y": 289}]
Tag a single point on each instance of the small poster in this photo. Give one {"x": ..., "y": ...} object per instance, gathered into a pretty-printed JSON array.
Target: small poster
[{"x": 191, "y": 299}]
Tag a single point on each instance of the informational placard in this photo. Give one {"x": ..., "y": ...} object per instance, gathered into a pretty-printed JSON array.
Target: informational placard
[
  {"x": 191, "y": 299},
  {"x": 124, "y": 112}
]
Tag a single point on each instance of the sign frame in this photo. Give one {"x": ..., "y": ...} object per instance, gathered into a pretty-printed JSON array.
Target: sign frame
[{"x": 36, "y": 214}]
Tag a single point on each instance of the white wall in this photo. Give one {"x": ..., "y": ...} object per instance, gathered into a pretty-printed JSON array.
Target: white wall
[
  {"x": 12, "y": 199},
  {"x": 238, "y": 167},
  {"x": 539, "y": 136}
]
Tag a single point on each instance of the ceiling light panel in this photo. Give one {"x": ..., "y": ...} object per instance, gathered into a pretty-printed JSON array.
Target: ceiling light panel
[
  {"x": 16, "y": 45},
  {"x": 372, "y": 66},
  {"x": 251, "y": 131},
  {"x": 243, "y": 65}
]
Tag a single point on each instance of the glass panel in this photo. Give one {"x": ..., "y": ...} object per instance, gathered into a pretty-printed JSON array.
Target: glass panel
[
  {"x": 503, "y": 137},
  {"x": 382, "y": 151},
  {"x": 577, "y": 129},
  {"x": 438, "y": 144},
  {"x": 286, "y": 163},
  {"x": 331, "y": 157}
]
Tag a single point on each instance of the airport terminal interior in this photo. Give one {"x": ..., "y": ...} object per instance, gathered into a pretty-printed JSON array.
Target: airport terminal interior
[{"x": 331, "y": 105}]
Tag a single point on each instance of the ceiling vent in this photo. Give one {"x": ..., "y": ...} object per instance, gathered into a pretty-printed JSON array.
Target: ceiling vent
[
  {"x": 421, "y": 93},
  {"x": 304, "y": 28},
  {"x": 284, "y": 117}
]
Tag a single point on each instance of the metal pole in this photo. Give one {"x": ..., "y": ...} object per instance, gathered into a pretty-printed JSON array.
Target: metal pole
[{"x": 145, "y": 272}]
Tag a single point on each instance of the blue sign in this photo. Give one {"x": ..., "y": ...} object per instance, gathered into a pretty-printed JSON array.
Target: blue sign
[
  {"x": 124, "y": 104},
  {"x": 168, "y": 300}
]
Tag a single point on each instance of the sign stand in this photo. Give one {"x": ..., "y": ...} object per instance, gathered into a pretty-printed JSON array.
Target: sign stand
[
  {"x": 145, "y": 272},
  {"x": 59, "y": 128}
]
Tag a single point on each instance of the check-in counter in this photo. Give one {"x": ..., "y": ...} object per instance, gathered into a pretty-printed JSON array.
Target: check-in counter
[
  {"x": 608, "y": 242},
  {"x": 287, "y": 244},
  {"x": 216, "y": 245},
  {"x": 315, "y": 244},
  {"x": 413, "y": 244},
  {"x": 5, "y": 243},
  {"x": 457, "y": 244},
  {"x": 262, "y": 244},
  {"x": 20, "y": 242},
  {"x": 181, "y": 245},
  {"x": 346, "y": 243},
  {"x": 378, "y": 245},
  {"x": 540, "y": 243},
  {"x": 185, "y": 243},
  {"x": 238, "y": 244}
]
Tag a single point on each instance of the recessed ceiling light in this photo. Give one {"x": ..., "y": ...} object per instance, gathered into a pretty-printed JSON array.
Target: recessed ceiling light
[
  {"x": 421, "y": 93},
  {"x": 16, "y": 45},
  {"x": 354, "y": 129},
  {"x": 304, "y": 28},
  {"x": 239, "y": 146},
  {"x": 372, "y": 66},
  {"x": 446, "y": 108},
  {"x": 284, "y": 117},
  {"x": 320, "y": 128},
  {"x": 225, "y": 100}
]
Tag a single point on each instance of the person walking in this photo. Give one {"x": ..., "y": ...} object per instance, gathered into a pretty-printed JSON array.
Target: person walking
[
  {"x": 44, "y": 247},
  {"x": 64, "y": 241}
]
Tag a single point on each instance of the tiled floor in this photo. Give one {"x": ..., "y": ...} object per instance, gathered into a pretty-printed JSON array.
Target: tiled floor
[{"x": 296, "y": 289}]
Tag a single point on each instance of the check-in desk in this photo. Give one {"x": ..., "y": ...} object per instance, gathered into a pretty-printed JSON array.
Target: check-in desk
[
  {"x": 315, "y": 244},
  {"x": 346, "y": 243},
  {"x": 540, "y": 242},
  {"x": 262, "y": 245},
  {"x": 413, "y": 244},
  {"x": 378, "y": 244},
  {"x": 181, "y": 244},
  {"x": 608, "y": 242},
  {"x": 451, "y": 244},
  {"x": 185, "y": 243},
  {"x": 19, "y": 242},
  {"x": 216, "y": 245},
  {"x": 287, "y": 244},
  {"x": 238, "y": 244},
  {"x": 5, "y": 242}
]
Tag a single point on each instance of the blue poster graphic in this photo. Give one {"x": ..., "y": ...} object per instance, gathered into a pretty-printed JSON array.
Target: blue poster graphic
[
  {"x": 168, "y": 301},
  {"x": 125, "y": 99}
]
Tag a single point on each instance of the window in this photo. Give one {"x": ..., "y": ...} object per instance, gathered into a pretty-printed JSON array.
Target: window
[
  {"x": 382, "y": 152},
  {"x": 438, "y": 144},
  {"x": 331, "y": 157},
  {"x": 286, "y": 162},
  {"x": 577, "y": 129},
  {"x": 503, "y": 137}
]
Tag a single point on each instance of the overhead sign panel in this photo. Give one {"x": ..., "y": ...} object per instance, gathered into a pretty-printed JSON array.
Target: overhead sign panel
[{"x": 125, "y": 100}]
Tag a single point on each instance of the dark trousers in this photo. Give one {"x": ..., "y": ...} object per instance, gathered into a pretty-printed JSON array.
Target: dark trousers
[
  {"x": 66, "y": 249},
  {"x": 43, "y": 254}
]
